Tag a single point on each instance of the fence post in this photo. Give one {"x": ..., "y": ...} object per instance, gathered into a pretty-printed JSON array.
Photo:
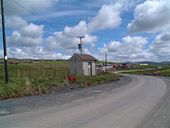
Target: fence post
[
  {"x": 43, "y": 73},
  {"x": 30, "y": 74},
  {"x": 65, "y": 72},
  {"x": 54, "y": 71},
  {"x": 18, "y": 71}
]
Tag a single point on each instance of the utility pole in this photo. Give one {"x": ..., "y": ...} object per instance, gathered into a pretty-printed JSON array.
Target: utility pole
[
  {"x": 105, "y": 61},
  {"x": 106, "y": 58},
  {"x": 80, "y": 45},
  {"x": 4, "y": 41}
]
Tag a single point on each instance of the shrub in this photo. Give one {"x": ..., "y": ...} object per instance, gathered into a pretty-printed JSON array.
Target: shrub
[
  {"x": 98, "y": 79},
  {"x": 26, "y": 86}
]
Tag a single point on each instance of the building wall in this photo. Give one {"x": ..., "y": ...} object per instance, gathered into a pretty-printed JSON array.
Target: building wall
[
  {"x": 76, "y": 67},
  {"x": 94, "y": 68},
  {"x": 86, "y": 70}
]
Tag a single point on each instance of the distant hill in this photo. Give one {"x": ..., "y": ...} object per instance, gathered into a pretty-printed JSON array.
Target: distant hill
[
  {"x": 152, "y": 63},
  {"x": 148, "y": 62},
  {"x": 165, "y": 62}
]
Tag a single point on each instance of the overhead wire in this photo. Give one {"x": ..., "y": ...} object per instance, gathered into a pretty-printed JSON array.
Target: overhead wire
[{"x": 35, "y": 15}]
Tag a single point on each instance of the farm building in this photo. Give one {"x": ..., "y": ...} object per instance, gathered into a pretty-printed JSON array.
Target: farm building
[
  {"x": 145, "y": 64},
  {"x": 83, "y": 64}
]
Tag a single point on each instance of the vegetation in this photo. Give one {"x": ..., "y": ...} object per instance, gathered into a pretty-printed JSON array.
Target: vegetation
[
  {"x": 98, "y": 79},
  {"x": 34, "y": 78},
  {"x": 157, "y": 72},
  {"x": 165, "y": 72},
  {"x": 150, "y": 66},
  {"x": 26, "y": 87}
]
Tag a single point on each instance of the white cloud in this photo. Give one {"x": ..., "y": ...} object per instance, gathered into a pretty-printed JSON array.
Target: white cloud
[
  {"x": 78, "y": 30},
  {"x": 154, "y": 16},
  {"x": 61, "y": 40},
  {"x": 26, "y": 35},
  {"x": 68, "y": 38},
  {"x": 36, "y": 52},
  {"x": 32, "y": 30},
  {"x": 151, "y": 16},
  {"x": 130, "y": 49},
  {"x": 1, "y": 53},
  {"x": 65, "y": 13},
  {"x": 18, "y": 40},
  {"x": 161, "y": 46},
  {"x": 14, "y": 22},
  {"x": 27, "y": 39},
  {"x": 98, "y": 3},
  {"x": 11, "y": 8},
  {"x": 107, "y": 17},
  {"x": 86, "y": 51}
]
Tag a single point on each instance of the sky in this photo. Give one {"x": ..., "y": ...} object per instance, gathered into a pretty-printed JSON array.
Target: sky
[{"x": 128, "y": 30}]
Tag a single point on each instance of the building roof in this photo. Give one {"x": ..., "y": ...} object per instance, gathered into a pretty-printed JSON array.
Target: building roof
[{"x": 84, "y": 57}]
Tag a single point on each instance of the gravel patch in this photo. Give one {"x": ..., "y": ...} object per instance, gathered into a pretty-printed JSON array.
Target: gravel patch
[
  {"x": 34, "y": 103},
  {"x": 4, "y": 112},
  {"x": 160, "y": 115}
]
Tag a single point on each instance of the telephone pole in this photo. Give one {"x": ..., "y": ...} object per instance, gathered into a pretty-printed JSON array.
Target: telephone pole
[
  {"x": 105, "y": 61},
  {"x": 80, "y": 45},
  {"x": 106, "y": 58},
  {"x": 4, "y": 41}
]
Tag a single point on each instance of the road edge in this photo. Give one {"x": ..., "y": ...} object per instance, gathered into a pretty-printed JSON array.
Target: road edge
[{"x": 153, "y": 116}]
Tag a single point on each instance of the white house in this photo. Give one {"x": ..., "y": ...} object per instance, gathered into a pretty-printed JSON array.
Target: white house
[
  {"x": 83, "y": 64},
  {"x": 144, "y": 64}
]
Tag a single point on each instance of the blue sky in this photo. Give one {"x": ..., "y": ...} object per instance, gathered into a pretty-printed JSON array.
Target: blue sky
[{"x": 128, "y": 30}]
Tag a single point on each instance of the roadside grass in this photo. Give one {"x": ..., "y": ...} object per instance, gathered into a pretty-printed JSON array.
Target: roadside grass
[
  {"x": 26, "y": 87},
  {"x": 165, "y": 72},
  {"x": 27, "y": 79},
  {"x": 98, "y": 79},
  {"x": 32, "y": 79},
  {"x": 146, "y": 66},
  {"x": 157, "y": 72}
]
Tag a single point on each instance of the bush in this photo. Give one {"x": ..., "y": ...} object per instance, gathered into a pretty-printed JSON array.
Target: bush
[
  {"x": 25, "y": 86},
  {"x": 161, "y": 72},
  {"x": 11, "y": 89},
  {"x": 98, "y": 79}
]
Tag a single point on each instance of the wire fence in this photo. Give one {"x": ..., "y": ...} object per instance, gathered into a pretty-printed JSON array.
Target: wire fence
[{"x": 35, "y": 71}]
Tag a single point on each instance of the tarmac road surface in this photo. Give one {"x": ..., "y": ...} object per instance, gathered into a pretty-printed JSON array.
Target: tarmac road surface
[{"x": 123, "y": 107}]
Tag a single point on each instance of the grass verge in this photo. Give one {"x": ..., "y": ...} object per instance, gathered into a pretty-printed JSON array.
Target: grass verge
[
  {"x": 98, "y": 79},
  {"x": 26, "y": 87},
  {"x": 156, "y": 72}
]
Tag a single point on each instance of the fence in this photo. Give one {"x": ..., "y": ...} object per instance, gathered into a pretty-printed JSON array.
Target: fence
[{"x": 35, "y": 71}]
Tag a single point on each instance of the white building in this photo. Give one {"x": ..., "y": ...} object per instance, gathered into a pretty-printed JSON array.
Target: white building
[
  {"x": 144, "y": 64},
  {"x": 82, "y": 64}
]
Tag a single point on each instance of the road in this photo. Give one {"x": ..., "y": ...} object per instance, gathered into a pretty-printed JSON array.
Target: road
[{"x": 123, "y": 107}]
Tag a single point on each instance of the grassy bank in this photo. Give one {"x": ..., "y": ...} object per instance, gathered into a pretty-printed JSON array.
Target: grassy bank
[
  {"x": 98, "y": 79},
  {"x": 26, "y": 87},
  {"x": 30, "y": 79},
  {"x": 157, "y": 72}
]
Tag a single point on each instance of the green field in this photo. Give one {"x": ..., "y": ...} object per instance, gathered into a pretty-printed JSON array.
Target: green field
[
  {"x": 157, "y": 72},
  {"x": 34, "y": 70},
  {"x": 38, "y": 77},
  {"x": 32, "y": 78}
]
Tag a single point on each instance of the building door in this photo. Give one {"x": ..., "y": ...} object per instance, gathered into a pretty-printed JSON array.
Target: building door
[{"x": 90, "y": 68}]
